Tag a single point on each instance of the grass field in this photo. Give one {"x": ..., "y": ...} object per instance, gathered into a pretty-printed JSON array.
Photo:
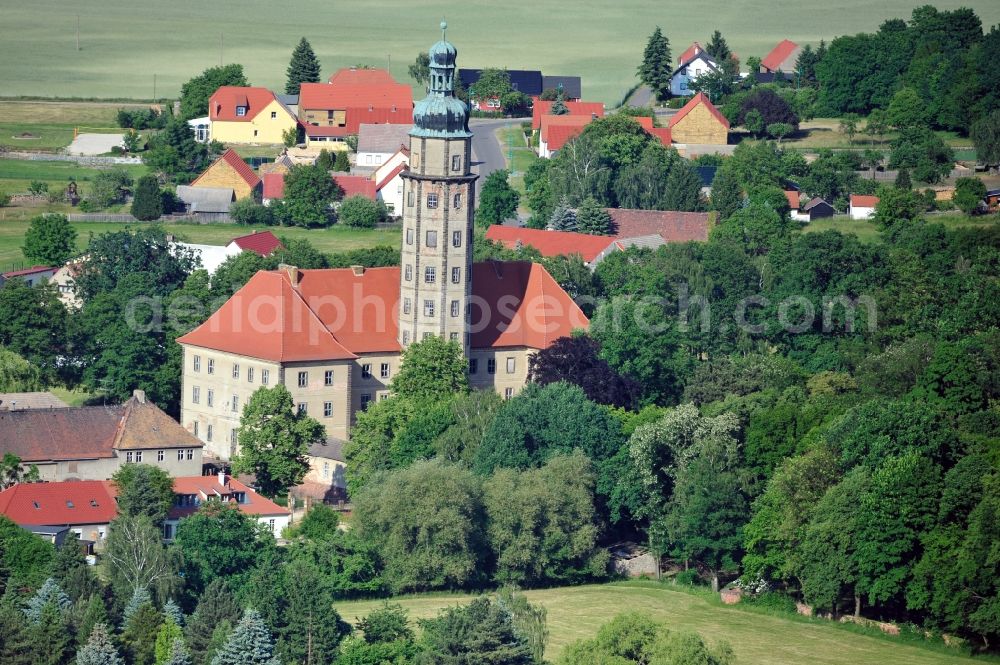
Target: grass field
[
  {"x": 51, "y": 123},
  {"x": 334, "y": 239},
  {"x": 124, "y": 44},
  {"x": 866, "y": 231},
  {"x": 16, "y": 174},
  {"x": 825, "y": 133},
  {"x": 758, "y": 639}
]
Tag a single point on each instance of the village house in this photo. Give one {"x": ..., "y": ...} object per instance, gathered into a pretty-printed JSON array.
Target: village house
[
  {"x": 694, "y": 62},
  {"x": 92, "y": 442},
  {"x": 557, "y": 130},
  {"x": 588, "y": 109},
  {"x": 334, "y": 337},
  {"x": 377, "y": 143},
  {"x": 699, "y": 123},
  {"x": 530, "y": 82},
  {"x": 551, "y": 243},
  {"x": 31, "y": 276},
  {"x": 862, "y": 207},
  {"x": 671, "y": 225},
  {"x": 781, "y": 59},
  {"x": 389, "y": 180},
  {"x": 192, "y": 492},
  {"x": 326, "y": 480},
  {"x": 330, "y": 112},
  {"x": 64, "y": 280},
  {"x": 263, "y": 243},
  {"x": 816, "y": 208},
  {"x": 229, "y": 172},
  {"x": 351, "y": 185},
  {"x": 248, "y": 115}
]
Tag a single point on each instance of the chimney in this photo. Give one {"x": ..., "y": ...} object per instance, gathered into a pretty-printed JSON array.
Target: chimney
[
  {"x": 593, "y": 116},
  {"x": 358, "y": 270},
  {"x": 292, "y": 272},
  {"x": 139, "y": 395},
  {"x": 222, "y": 478}
]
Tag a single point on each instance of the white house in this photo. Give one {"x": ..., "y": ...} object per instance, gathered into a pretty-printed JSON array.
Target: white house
[
  {"x": 862, "y": 207},
  {"x": 389, "y": 181},
  {"x": 378, "y": 143},
  {"x": 192, "y": 491},
  {"x": 688, "y": 72}
]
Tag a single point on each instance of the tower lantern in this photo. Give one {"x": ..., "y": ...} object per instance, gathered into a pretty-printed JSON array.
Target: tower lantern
[{"x": 438, "y": 205}]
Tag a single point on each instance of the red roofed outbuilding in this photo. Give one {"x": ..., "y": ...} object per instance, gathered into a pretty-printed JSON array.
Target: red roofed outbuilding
[
  {"x": 782, "y": 58},
  {"x": 540, "y": 108},
  {"x": 230, "y": 172},
  {"x": 261, "y": 243},
  {"x": 861, "y": 206},
  {"x": 550, "y": 243},
  {"x": 699, "y": 122}
]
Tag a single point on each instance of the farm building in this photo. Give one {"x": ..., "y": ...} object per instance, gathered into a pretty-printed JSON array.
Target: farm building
[
  {"x": 230, "y": 172},
  {"x": 816, "y": 208},
  {"x": 377, "y": 143},
  {"x": 540, "y": 108},
  {"x": 671, "y": 225},
  {"x": 33, "y": 275},
  {"x": 530, "y": 82},
  {"x": 782, "y": 58},
  {"x": 699, "y": 122},
  {"x": 862, "y": 207},
  {"x": 551, "y": 243},
  {"x": 248, "y": 115}
]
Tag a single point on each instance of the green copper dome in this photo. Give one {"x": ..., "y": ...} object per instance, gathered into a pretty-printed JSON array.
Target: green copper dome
[{"x": 441, "y": 114}]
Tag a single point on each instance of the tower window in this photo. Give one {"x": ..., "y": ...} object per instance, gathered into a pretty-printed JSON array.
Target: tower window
[
  {"x": 432, "y": 239},
  {"x": 328, "y": 377},
  {"x": 407, "y": 305},
  {"x": 409, "y": 236},
  {"x": 457, "y": 203},
  {"x": 432, "y": 200},
  {"x": 408, "y": 272},
  {"x": 456, "y": 237},
  {"x": 456, "y": 275},
  {"x": 453, "y": 337},
  {"x": 456, "y": 162},
  {"x": 430, "y": 274},
  {"x": 384, "y": 371},
  {"x": 409, "y": 198},
  {"x": 454, "y": 308},
  {"x": 428, "y": 308},
  {"x": 511, "y": 364}
]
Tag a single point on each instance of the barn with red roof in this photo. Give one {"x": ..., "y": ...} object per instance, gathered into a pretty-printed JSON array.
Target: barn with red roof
[
  {"x": 781, "y": 58},
  {"x": 699, "y": 122},
  {"x": 231, "y": 172}
]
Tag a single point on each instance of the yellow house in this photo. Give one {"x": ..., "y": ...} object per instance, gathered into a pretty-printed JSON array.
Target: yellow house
[
  {"x": 230, "y": 172},
  {"x": 248, "y": 115},
  {"x": 699, "y": 122}
]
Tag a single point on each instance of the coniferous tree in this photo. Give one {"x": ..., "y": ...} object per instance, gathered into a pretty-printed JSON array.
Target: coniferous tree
[
  {"x": 559, "y": 104},
  {"x": 99, "y": 649},
  {"x": 168, "y": 634},
  {"x": 93, "y": 613},
  {"x": 903, "y": 180},
  {"x": 216, "y": 606},
  {"x": 51, "y": 637},
  {"x": 592, "y": 218},
  {"x": 656, "y": 66},
  {"x": 179, "y": 655},
  {"x": 683, "y": 189},
  {"x": 727, "y": 195},
  {"x": 50, "y": 593},
  {"x": 720, "y": 51},
  {"x": 173, "y": 611},
  {"x": 250, "y": 643},
  {"x": 303, "y": 68},
  {"x": 147, "y": 202},
  {"x": 342, "y": 163},
  {"x": 15, "y": 638},
  {"x": 139, "y": 636},
  {"x": 563, "y": 218},
  {"x": 139, "y": 598}
]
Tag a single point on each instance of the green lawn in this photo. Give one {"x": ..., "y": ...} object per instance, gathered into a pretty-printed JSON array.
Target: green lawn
[
  {"x": 334, "y": 239},
  {"x": 126, "y": 43},
  {"x": 758, "y": 639},
  {"x": 48, "y": 125},
  {"x": 16, "y": 174},
  {"x": 825, "y": 133},
  {"x": 867, "y": 232}
]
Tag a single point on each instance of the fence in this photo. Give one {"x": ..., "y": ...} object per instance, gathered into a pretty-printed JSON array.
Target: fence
[
  {"x": 190, "y": 218},
  {"x": 82, "y": 160}
]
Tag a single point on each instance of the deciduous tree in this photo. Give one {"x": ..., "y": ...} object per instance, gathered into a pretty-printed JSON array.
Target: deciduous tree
[{"x": 50, "y": 240}]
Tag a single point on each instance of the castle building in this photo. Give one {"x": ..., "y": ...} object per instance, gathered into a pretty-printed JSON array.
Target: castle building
[{"x": 334, "y": 337}]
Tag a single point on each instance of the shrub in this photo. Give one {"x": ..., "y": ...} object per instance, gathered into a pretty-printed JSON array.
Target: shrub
[
  {"x": 4, "y": 199},
  {"x": 361, "y": 212},
  {"x": 772, "y": 600},
  {"x": 37, "y": 188},
  {"x": 109, "y": 188},
  {"x": 249, "y": 212},
  {"x": 687, "y": 578}
]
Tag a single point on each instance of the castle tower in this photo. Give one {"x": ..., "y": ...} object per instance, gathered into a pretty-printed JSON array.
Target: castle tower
[{"x": 438, "y": 205}]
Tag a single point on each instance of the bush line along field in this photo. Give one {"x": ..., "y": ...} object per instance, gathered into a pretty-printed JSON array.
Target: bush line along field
[
  {"x": 125, "y": 44},
  {"x": 576, "y": 613}
]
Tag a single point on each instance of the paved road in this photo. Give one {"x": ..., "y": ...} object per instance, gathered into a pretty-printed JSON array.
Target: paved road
[
  {"x": 94, "y": 144},
  {"x": 487, "y": 153}
]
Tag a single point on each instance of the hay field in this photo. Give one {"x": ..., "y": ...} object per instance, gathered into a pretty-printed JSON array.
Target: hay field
[{"x": 125, "y": 43}]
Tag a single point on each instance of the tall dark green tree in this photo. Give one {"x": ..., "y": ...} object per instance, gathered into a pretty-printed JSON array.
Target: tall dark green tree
[
  {"x": 144, "y": 490},
  {"x": 303, "y": 67},
  {"x": 250, "y": 643},
  {"x": 657, "y": 65},
  {"x": 33, "y": 324},
  {"x": 216, "y": 605},
  {"x": 147, "y": 201},
  {"x": 497, "y": 199},
  {"x": 481, "y": 632},
  {"x": 196, "y": 92}
]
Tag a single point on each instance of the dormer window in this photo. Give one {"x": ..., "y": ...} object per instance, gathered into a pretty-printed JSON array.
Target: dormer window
[
  {"x": 241, "y": 111},
  {"x": 93, "y": 503},
  {"x": 35, "y": 504},
  {"x": 69, "y": 504}
]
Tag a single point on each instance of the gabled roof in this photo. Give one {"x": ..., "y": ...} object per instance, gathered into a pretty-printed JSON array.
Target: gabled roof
[
  {"x": 701, "y": 55},
  {"x": 572, "y": 88},
  {"x": 651, "y": 241},
  {"x": 282, "y": 327},
  {"x": 689, "y": 53},
  {"x": 274, "y": 185},
  {"x": 672, "y": 225},
  {"x": 528, "y": 81},
  {"x": 399, "y": 168},
  {"x": 556, "y": 130},
  {"x": 793, "y": 199},
  {"x": 57, "y": 504},
  {"x": 662, "y": 133},
  {"x": 333, "y": 314},
  {"x": 360, "y": 88},
  {"x": 361, "y": 76},
  {"x": 862, "y": 201},
  {"x": 354, "y": 117},
  {"x": 36, "y": 400},
  {"x": 550, "y": 243},
  {"x": 815, "y": 202},
  {"x": 386, "y": 138},
  {"x": 231, "y": 158},
  {"x": 356, "y": 185},
  {"x": 223, "y": 102},
  {"x": 34, "y": 270},
  {"x": 540, "y": 108},
  {"x": 780, "y": 56},
  {"x": 209, "y": 488},
  {"x": 90, "y": 432},
  {"x": 262, "y": 243},
  {"x": 698, "y": 99}
]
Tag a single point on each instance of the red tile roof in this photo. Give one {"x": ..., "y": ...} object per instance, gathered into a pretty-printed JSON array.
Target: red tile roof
[
  {"x": 556, "y": 130},
  {"x": 317, "y": 130},
  {"x": 671, "y": 225},
  {"x": 793, "y": 198},
  {"x": 862, "y": 201},
  {"x": 773, "y": 60},
  {"x": 358, "y": 88},
  {"x": 27, "y": 271},
  {"x": 550, "y": 243},
  {"x": 399, "y": 168},
  {"x": 699, "y": 98},
  {"x": 274, "y": 185},
  {"x": 662, "y": 133},
  {"x": 540, "y": 108},
  {"x": 244, "y": 170},
  {"x": 691, "y": 52},
  {"x": 262, "y": 243},
  {"x": 222, "y": 104},
  {"x": 355, "y": 116},
  {"x": 59, "y": 504},
  {"x": 361, "y": 76},
  {"x": 356, "y": 185},
  {"x": 335, "y": 313},
  {"x": 208, "y": 487},
  {"x": 268, "y": 319}
]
